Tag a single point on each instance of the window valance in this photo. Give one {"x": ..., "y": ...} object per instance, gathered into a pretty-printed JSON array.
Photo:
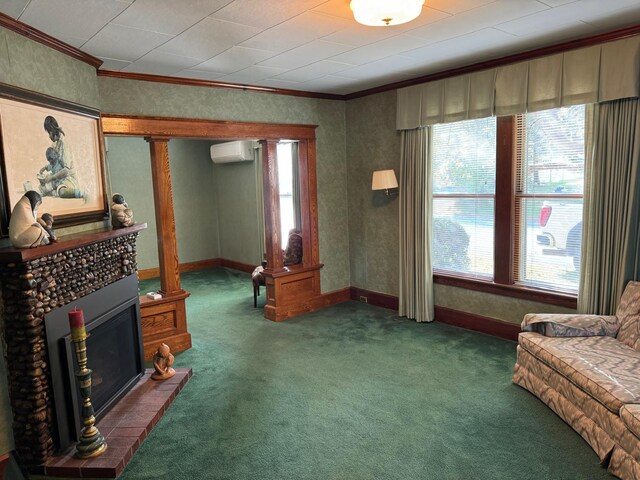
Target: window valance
[{"x": 593, "y": 74}]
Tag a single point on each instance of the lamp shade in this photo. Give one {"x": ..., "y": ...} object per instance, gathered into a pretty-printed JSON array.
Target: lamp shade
[
  {"x": 380, "y": 13},
  {"x": 384, "y": 180}
]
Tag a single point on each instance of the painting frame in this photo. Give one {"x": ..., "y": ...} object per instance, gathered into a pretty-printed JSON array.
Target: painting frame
[{"x": 18, "y": 163}]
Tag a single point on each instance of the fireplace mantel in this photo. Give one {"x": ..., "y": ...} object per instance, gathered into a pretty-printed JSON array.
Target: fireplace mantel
[{"x": 66, "y": 242}]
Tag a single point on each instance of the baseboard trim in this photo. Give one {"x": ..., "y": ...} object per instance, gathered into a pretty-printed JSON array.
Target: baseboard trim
[
  {"x": 377, "y": 299},
  {"x": 243, "y": 267},
  {"x": 457, "y": 318},
  {"x": 477, "y": 323}
]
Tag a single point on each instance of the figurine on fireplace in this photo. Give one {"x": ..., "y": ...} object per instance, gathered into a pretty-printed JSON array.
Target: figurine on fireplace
[
  {"x": 121, "y": 214},
  {"x": 162, "y": 361},
  {"x": 46, "y": 220},
  {"x": 24, "y": 229}
]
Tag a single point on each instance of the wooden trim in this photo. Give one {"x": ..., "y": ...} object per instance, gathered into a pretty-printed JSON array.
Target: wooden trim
[
  {"x": 504, "y": 207},
  {"x": 505, "y": 60},
  {"x": 375, "y": 298},
  {"x": 4, "y": 460},
  {"x": 66, "y": 242},
  {"x": 148, "y": 273},
  {"x": 145, "y": 77},
  {"x": 47, "y": 40},
  {"x": 232, "y": 264},
  {"x": 176, "y": 127},
  {"x": 279, "y": 314},
  {"x": 517, "y": 291},
  {"x": 477, "y": 323}
]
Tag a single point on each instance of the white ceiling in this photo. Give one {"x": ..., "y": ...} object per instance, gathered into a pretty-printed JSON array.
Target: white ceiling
[{"x": 311, "y": 45}]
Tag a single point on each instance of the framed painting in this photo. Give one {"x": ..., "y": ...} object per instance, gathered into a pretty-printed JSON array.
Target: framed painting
[{"x": 55, "y": 148}]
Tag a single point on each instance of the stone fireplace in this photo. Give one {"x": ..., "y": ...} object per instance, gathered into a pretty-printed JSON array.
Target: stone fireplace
[{"x": 95, "y": 271}]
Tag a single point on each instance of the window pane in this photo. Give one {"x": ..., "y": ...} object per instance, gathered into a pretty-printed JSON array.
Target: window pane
[
  {"x": 550, "y": 184},
  {"x": 463, "y": 235},
  {"x": 551, "y": 236},
  {"x": 554, "y": 151},
  {"x": 464, "y": 180},
  {"x": 285, "y": 185},
  {"x": 464, "y": 157}
]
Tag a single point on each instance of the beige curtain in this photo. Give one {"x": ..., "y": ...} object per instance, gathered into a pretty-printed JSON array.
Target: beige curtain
[
  {"x": 416, "y": 272},
  {"x": 295, "y": 189},
  {"x": 611, "y": 234}
]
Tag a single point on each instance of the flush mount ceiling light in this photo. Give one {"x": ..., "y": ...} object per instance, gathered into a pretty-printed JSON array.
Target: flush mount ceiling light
[{"x": 380, "y": 13}]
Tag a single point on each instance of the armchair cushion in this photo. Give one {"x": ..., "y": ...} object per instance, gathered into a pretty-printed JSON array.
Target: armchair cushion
[
  {"x": 571, "y": 325},
  {"x": 628, "y": 314}
]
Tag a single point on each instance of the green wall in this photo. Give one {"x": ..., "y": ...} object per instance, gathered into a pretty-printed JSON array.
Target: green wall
[
  {"x": 235, "y": 190},
  {"x": 373, "y": 143},
  {"x": 194, "y": 199},
  {"x": 148, "y": 98}
]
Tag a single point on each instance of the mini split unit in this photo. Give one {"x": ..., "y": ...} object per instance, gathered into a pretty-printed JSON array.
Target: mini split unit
[{"x": 239, "y": 151}]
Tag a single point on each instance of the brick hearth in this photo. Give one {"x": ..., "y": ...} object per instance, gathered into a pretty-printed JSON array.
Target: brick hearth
[{"x": 125, "y": 427}]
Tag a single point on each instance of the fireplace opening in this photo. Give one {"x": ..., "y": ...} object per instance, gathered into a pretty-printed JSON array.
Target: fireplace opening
[{"x": 114, "y": 351}]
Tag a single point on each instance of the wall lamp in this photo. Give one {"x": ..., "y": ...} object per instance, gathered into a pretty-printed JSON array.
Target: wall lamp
[{"x": 385, "y": 180}]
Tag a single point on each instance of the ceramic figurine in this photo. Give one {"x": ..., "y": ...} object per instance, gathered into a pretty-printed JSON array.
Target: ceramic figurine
[
  {"x": 121, "y": 214},
  {"x": 24, "y": 229},
  {"x": 162, "y": 361},
  {"x": 46, "y": 220}
]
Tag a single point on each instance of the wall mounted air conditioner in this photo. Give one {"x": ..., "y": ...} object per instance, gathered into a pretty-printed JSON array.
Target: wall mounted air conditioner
[{"x": 239, "y": 151}]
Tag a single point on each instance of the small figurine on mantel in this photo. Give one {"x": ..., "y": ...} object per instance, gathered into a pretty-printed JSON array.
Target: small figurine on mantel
[
  {"x": 162, "y": 361},
  {"x": 46, "y": 220},
  {"x": 121, "y": 214},
  {"x": 24, "y": 229}
]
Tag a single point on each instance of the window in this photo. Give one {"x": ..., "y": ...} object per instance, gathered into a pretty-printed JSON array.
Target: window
[
  {"x": 507, "y": 203},
  {"x": 285, "y": 185},
  {"x": 549, "y": 186},
  {"x": 464, "y": 183}
]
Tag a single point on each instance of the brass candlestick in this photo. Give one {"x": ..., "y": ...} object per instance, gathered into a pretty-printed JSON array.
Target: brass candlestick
[{"x": 92, "y": 443}]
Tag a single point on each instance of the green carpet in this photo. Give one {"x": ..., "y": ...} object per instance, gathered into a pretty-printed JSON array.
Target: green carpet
[{"x": 350, "y": 392}]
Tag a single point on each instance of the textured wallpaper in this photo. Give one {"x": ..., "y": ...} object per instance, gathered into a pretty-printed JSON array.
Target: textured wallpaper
[
  {"x": 236, "y": 195},
  {"x": 147, "y": 98},
  {"x": 30, "y": 65}
]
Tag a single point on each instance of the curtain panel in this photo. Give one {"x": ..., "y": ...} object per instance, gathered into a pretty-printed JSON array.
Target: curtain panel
[
  {"x": 416, "y": 273},
  {"x": 611, "y": 229},
  {"x": 599, "y": 73}
]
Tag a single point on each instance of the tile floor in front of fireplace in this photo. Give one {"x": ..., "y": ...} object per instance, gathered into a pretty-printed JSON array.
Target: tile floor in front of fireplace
[{"x": 125, "y": 427}]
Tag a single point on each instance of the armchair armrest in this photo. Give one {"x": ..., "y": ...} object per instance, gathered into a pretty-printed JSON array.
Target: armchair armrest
[{"x": 571, "y": 325}]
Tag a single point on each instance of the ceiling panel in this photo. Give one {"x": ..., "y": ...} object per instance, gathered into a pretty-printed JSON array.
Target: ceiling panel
[
  {"x": 168, "y": 16},
  {"x": 60, "y": 17},
  {"x": 264, "y": 15},
  {"x": 315, "y": 70},
  {"x": 378, "y": 50},
  {"x": 160, "y": 63},
  {"x": 304, "y": 55},
  {"x": 620, "y": 18},
  {"x": 124, "y": 43},
  {"x": 381, "y": 68},
  {"x": 200, "y": 75},
  {"x": 111, "y": 64},
  {"x": 252, "y": 74},
  {"x": 234, "y": 59},
  {"x": 457, "y": 6},
  {"x": 297, "y": 31},
  {"x": 13, "y": 8},
  {"x": 208, "y": 38}
]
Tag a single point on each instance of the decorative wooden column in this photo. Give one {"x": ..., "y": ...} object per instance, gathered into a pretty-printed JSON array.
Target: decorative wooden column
[
  {"x": 295, "y": 289},
  {"x": 164, "y": 320}
]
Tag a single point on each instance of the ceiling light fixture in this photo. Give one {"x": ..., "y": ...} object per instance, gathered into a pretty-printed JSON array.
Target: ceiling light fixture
[{"x": 380, "y": 13}]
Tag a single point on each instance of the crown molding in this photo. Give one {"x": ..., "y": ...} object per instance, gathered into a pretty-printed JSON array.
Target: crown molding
[
  {"x": 145, "y": 77},
  {"x": 506, "y": 60},
  {"x": 38, "y": 36}
]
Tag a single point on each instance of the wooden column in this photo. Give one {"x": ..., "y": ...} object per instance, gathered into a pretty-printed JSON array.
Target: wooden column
[
  {"x": 271, "y": 204},
  {"x": 165, "y": 220},
  {"x": 164, "y": 320}
]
